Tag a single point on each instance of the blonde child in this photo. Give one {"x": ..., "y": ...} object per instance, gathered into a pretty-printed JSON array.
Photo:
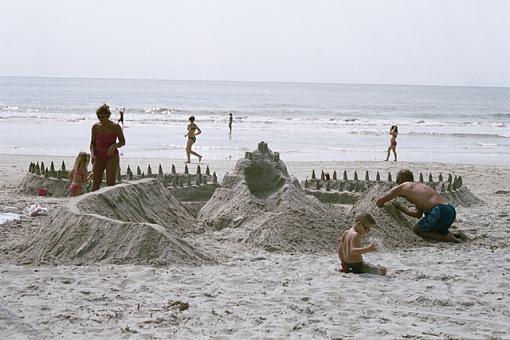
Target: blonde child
[
  {"x": 78, "y": 175},
  {"x": 393, "y": 142},
  {"x": 350, "y": 250}
]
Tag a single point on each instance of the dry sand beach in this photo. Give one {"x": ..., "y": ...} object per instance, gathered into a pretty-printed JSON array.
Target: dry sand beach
[{"x": 432, "y": 290}]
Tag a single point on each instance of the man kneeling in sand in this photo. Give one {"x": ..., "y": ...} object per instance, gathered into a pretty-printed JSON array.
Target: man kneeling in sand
[
  {"x": 439, "y": 214},
  {"x": 350, "y": 250}
]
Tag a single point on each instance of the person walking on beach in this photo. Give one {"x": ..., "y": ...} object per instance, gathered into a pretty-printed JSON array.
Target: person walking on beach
[
  {"x": 79, "y": 175},
  {"x": 350, "y": 250},
  {"x": 193, "y": 131},
  {"x": 393, "y": 142},
  {"x": 103, "y": 148},
  {"x": 230, "y": 120},
  {"x": 121, "y": 119},
  {"x": 439, "y": 214}
]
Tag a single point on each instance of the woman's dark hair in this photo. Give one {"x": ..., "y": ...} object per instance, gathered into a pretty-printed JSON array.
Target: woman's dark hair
[
  {"x": 191, "y": 118},
  {"x": 393, "y": 127},
  {"x": 103, "y": 110}
]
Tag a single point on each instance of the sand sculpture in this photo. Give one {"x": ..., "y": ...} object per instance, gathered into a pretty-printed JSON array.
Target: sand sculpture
[
  {"x": 348, "y": 191},
  {"x": 262, "y": 205},
  {"x": 137, "y": 223},
  {"x": 142, "y": 219},
  {"x": 56, "y": 182}
]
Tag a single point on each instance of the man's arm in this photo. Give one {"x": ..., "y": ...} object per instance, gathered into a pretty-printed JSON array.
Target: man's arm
[
  {"x": 389, "y": 195},
  {"x": 413, "y": 212}
]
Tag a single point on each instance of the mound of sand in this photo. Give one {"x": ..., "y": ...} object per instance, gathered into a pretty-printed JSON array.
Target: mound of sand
[
  {"x": 393, "y": 227},
  {"x": 136, "y": 223},
  {"x": 32, "y": 182},
  {"x": 270, "y": 209}
]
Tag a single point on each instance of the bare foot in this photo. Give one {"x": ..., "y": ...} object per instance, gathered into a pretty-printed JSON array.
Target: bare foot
[
  {"x": 461, "y": 235},
  {"x": 451, "y": 238},
  {"x": 187, "y": 162}
]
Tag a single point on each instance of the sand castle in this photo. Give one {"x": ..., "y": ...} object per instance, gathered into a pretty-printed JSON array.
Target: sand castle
[
  {"x": 56, "y": 182},
  {"x": 260, "y": 204},
  {"x": 264, "y": 206},
  {"x": 137, "y": 223}
]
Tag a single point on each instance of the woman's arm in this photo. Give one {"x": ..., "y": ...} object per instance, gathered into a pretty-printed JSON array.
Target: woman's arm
[
  {"x": 198, "y": 129},
  {"x": 93, "y": 143}
]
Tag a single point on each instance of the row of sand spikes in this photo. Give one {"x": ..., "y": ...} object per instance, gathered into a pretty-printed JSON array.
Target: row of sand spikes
[
  {"x": 175, "y": 178},
  {"x": 40, "y": 169},
  {"x": 452, "y": 183}
]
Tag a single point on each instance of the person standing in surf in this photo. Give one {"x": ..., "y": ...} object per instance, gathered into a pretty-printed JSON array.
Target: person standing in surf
[
  {"x": 103, "y": 148},
  {"x": 393, "y": 142},
  {"x": 230, "y": 120},
  {"x": 193, "y": 132}
]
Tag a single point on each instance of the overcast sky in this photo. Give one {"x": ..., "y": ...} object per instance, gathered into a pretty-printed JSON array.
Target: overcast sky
[{"x": 443, "y": 42}]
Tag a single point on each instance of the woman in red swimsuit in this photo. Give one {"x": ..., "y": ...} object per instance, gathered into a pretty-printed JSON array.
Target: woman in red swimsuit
[
  {"x": 393, "y": 142},
  {"x": 103, "y": 148}
]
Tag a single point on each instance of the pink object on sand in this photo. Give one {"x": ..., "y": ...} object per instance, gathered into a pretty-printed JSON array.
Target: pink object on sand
[{"x": 42, "y": 192}]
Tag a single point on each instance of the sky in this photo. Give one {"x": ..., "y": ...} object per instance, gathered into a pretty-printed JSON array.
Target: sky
[{"x": 426, "y": 42}]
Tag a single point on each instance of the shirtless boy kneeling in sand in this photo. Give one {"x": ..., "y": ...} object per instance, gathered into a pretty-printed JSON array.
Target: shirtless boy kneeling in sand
[
  {"x": 350, "y": 249},
  {"x": 439, "y": 214}
]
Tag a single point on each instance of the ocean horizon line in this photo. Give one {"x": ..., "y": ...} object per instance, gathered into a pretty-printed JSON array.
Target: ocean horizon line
[{"x": 252, "y": 81}]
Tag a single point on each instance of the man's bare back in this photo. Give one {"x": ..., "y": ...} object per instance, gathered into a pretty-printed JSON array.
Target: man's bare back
[{"x": 439, "y": 214}]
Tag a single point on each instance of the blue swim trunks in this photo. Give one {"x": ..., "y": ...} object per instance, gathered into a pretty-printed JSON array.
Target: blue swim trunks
[{"x": 438, "y": 219}]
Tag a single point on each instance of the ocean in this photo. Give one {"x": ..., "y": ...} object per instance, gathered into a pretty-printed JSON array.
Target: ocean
[{"x": 303, "y": 121}]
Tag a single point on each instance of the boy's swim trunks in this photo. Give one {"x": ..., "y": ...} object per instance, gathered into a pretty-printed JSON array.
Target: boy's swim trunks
[
  {"x": 358, "y": 268},
  {"x": 438, "y": 219}
]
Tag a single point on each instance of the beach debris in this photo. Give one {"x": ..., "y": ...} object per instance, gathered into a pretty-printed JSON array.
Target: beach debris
[
  {"x": 182, "y": 306},
  {"x": 36, "y": 210},
  {"x": 8, "y": 216}
]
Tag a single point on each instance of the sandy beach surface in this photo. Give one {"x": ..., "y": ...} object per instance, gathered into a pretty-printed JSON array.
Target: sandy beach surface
[{"x": 438, "y": 291}]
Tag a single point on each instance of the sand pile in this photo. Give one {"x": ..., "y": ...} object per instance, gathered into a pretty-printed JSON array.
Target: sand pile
[
  {"x": 394, "y": 228},
  {"x": 55, "y": 187},
  {"x": 136, "y": 223},
  {"x": 270, "y": 209}
]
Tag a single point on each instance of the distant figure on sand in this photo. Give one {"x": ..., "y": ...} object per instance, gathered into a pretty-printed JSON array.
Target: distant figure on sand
[
  {"x": 230, "y": 120},
  {"x": 121, "y": 119},
  {"x": 439, "y": 214},
  {"x": 393, "y": 142},
  {"x": 350, "y": 250},
  {"x": 79, "y": 174},
  {"x": 193, "y": 131},
  {"x": 103, "y": 148}
]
